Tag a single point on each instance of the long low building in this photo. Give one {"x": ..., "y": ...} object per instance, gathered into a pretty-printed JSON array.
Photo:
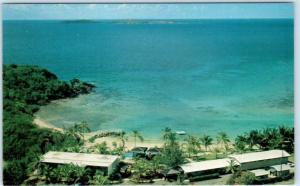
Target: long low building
[
  {"x": 257, "y": 160},
  {"x": 205, "y": 168},
  {"x": 258, "y": 163},
  {"x": 281, "y": 170},
  {"x": 106, "y": 163},
  {"x": 260, "y": 174}
]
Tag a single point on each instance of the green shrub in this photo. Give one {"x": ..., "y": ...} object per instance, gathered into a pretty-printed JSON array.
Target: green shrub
[
  {"x": 66, "y": 174},
  {"x": 99, "y": 179},
  {"x": 241, "y": 178},
  {"x": 92, "y": 139}
]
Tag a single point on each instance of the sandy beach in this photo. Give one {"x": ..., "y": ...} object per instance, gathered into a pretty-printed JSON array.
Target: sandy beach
[
  {"x": 43, "y": 124},
  {"x": 130, "y": 143}
]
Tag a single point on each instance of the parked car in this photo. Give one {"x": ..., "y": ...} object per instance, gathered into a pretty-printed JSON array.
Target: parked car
[
  {"x": 136, "y": 152},
  {"x": 128, "y": 156},
  {"x": 153, "y": 151},
  {"x": 139, "y": 151}
]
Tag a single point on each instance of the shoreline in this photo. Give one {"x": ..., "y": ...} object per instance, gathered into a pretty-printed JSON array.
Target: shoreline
[
  {"x": 44, "y": 124},
  {"x": 129, "y": 144}
]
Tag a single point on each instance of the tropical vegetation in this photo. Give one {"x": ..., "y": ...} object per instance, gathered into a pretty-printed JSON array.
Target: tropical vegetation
[
  {"x": 142, "y": 170},
  {"x": 25, "y": 89},
  {"x": 266, "y": 139},
  {"x": 206, "y": 140},
  {"x": 241, "y": 178},
  {"x": 172, "y": 154},
  {"x": 136, "y": 135}
]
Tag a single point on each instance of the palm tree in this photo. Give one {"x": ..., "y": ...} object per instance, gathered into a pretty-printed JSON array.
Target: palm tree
[
  {"x": 82, "y": 128},
  {"x": 166, "y": 133},
  {"x": 206, "y": 141},
  {"x": 78, "y": 130},
  {"x": 216, "y": 151},
  {"x": 232, "y": 167},
  {"x": 72, "y": 133},
  {"x": 286, "y": 133},
  {"x": 287, "y": 136},
  {"x": 136, "y": 134},
  {"x": 223, "y": 139},
  {"x": 123, "y": 138},
  {"x": 172, "y": 154},
  {"x": 271, "y": 139},
  {"x": 253, "y": 138},
  {"x": 192, "y": 145},
  {"x": 169, "y": 137},
  {"x": 103, "y": 148},
  {"x": 240, "y": 143}
]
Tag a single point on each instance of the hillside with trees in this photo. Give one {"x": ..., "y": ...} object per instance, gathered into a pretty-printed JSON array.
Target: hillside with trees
[{"x": 25, "y": 89}]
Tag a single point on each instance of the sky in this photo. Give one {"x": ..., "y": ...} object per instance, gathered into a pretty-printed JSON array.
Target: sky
[{"x": 147, "y": 11}]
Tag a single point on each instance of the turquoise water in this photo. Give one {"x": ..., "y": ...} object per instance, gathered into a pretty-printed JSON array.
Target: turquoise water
[{"x": 201, "y": 76}]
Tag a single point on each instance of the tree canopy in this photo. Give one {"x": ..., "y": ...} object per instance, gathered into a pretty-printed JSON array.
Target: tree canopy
[{"x": 25, "y": 89}]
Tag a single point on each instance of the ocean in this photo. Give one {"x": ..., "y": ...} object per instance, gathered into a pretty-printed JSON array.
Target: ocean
[{"x": 200, "y": 76}]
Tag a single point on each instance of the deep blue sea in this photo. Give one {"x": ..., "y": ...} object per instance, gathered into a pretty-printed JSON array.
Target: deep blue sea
[{"x": 200, "y": 76}]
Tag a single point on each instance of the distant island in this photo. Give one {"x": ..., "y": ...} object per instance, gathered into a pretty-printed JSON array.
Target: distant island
[
  {"x": 80, "y": 21},
  {"x": 123, "y": 21}
]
